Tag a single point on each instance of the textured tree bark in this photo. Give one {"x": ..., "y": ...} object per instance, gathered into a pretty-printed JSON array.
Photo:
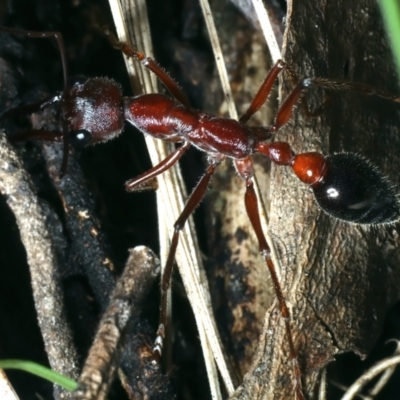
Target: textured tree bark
[{"x": 339, "y": 279}]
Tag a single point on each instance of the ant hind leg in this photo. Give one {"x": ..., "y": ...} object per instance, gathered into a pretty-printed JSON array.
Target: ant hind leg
[
  {"x": 194, "y": 200},
  {"x": 245, "y": 170}
]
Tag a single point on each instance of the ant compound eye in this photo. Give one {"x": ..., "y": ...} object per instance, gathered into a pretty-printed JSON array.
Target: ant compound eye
[
  {"x": 80, "y": 138},
  {"x": 353, "y": 190},
  {"x": 77, "y": 80}
]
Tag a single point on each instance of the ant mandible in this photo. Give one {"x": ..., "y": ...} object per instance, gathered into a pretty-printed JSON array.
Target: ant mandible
[{"x": 346, "y": 186}]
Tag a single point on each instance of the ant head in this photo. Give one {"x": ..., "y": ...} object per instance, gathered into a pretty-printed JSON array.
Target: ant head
[{"x": 93, "y": 111}]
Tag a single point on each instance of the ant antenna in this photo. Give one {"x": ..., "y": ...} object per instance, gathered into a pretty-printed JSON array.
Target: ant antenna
[{"x": 49, "y": 101}]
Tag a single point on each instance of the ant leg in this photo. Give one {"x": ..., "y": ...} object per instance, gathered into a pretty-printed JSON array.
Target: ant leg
[
  {"x": 327, "y": 84},
  {"x": 30, "y": 108},
  {"x": 165, "y": 164},
  {"x": 41, "y": 134},
  {"x": 65, "y": 137},
  {"x": 306, "y": 109},
  {"x": 264, "y": 91},
  {"x": 362, "y": 88},
  {"x": 49, "y": 136},
  {"x": 61, "y": 47},
  {"x": 151, "y": 65},
  {"x": 44, "y": 35},
  {"x": 317, "y": 111},
  {"x": 194, "y": 200},
  {"x": 322, "y": 83},
  {"x": 285, "y": 111},
  {"x": 245, "y": 170}
]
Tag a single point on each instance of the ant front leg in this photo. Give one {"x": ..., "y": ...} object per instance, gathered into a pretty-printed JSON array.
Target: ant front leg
[
  {"x": 33, "y": 134},
  {"x": 194, "y": 200},
  {"x": 362, "y": 88},
  {"x": 42, "y": 134},
  {"x": 245, "y": 170},
  {"x": 167, "y": 163},
  {"x": 264, "y": 91},
  {"x": 285, "y": 112},
  {"x": 44, "y": 35},
  {"x": 151, "y": 65}
]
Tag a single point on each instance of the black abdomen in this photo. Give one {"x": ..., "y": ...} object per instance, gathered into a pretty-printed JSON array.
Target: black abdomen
[{"x": 354, "y": 190}]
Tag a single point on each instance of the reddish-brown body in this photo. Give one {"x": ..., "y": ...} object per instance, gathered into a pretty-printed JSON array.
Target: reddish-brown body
[
  {"x": 165, "y": 118},
  {"x": 97, "y": 108}
]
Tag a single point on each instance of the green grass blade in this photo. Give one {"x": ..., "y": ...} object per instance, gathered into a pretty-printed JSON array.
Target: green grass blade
[
  {"x": 390, "y": 10},
  {"x": 40, "y": 371}
]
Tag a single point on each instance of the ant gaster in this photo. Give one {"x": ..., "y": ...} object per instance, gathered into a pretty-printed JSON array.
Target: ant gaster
[{"x": 346, "y": 185}]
